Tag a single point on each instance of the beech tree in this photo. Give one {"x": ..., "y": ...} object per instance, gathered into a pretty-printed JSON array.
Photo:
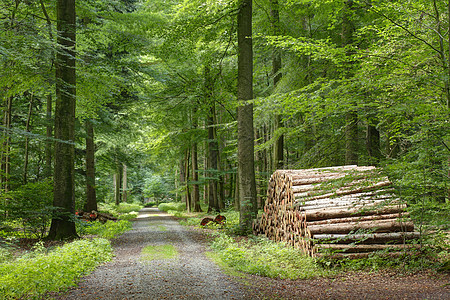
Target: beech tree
[{"x": 246, "y": 165}]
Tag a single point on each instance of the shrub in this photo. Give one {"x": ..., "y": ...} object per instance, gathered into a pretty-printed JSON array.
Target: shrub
[
  {"x": 31, "y": 206},
  {"x": 33, "y": 276}
]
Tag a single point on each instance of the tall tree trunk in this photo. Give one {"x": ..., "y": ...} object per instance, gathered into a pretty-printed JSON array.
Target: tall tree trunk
[
  {"x": 278, "y": 156},
  {"x": 118, "y": 183},
  {"x": 188, "y": 191},
  {"x": 62, "y": 226},
  {"x": 27, "y": 129},
  {"x": 246, "y": 160},
  {"x": 373, "y": 142},
  {"x": 5, "y": 174},
  {"x": 91, "y": 197},
  {"x": 124, "y": 183},
  {"x": 213, "y": 200},
  {"x": 351, "y": 116},
  {"x": 195, "y": 185},
  {"x": 194, "y": 166},
  {"x": 48, "y": 142}
]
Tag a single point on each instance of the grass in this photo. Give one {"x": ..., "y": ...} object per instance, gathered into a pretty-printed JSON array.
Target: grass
[
  {"x": 167, "y": 251},
  {"x": 263, "y": 257},
  {"x": 108, "y": 230},
  {"x": 38, "y": 272}
]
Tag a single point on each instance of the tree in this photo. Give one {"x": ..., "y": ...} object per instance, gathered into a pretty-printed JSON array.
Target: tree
[
  {"x": 91, "y": 199},
  {"x": 62, "y": 226},
  {"x": 246, "y": 165}
]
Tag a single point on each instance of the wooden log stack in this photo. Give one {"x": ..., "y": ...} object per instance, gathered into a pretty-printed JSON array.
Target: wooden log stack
[{"x": 350, "y": 211}]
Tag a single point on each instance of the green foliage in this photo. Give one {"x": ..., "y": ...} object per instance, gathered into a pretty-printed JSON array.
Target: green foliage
[
  {"x": 175, "y": 206},
  {"x": 33, "y": 276},
  {"x": 263, "y": 257},
  {"x": 30, "y": 205},
  {"x": 122, "y": 208},
  {"x": 108, "y": 230}
]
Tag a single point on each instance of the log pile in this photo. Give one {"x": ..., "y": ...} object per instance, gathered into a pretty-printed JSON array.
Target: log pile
[{"x": 350, "y": 211}]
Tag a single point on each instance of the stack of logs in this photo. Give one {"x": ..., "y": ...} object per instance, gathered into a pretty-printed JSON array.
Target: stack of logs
[{"x": 350, "y": 211}]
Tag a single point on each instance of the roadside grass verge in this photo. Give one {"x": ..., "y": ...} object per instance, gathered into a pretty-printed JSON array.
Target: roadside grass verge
[
  {"x": 263, "y": 257},
  {"x": 252, "y": 254},
  {"x": 108, "y": 230},
  {"x": 38, "y": 272}
]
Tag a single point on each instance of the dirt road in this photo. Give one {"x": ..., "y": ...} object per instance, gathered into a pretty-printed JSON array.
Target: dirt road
[{"x": 190, "y": 275}]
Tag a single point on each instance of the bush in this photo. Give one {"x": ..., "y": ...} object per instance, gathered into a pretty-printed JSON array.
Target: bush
[
  {"x": 31, "y": 206},
  {"x": 32, "y": 277},
  {"x": 176, "y": 206}
]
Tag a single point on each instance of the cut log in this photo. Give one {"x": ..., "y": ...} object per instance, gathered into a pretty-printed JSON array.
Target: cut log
[
  {"x": 366, "y": 248},
  {"x": 369, "y": 238},
  {"x": 359, "y": 219},
  {"x": 323, "y": 214},
  {"x": 391, "y": 225}
]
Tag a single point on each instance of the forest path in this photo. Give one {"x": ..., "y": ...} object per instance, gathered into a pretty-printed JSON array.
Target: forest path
[{"x": 190, "y": 275}]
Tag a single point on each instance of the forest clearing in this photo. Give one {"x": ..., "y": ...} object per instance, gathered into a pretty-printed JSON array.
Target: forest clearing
[{"x": 304, "y": 142}]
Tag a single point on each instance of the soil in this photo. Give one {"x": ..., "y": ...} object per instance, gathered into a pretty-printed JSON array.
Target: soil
[{"x": 191, "y": 275}]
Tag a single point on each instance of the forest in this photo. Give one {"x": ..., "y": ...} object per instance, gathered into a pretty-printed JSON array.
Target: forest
[{"x": 199, "y": 102}]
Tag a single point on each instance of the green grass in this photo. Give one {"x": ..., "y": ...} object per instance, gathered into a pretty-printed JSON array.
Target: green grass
[
  {"x": 36, "y": 273},
  {"x": 263, "y": 257},
  {"x": 108, "y": 230},
  {"x": 159, "y": 252}
]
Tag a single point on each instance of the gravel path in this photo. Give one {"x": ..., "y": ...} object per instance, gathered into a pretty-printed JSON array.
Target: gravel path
[
  {"x": 192, "y": 276},
  {"x": 189, "y": 276}
]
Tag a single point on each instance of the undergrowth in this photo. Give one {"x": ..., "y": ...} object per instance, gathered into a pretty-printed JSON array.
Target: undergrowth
[
  {"x": 38, "y": 272},
  {"x": 263, "y": 257},
  {"x": 108, "y": 230}
]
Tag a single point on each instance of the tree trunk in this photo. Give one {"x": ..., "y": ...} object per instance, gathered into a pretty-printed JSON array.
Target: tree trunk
[
  {"x": 27, "y": 129},
  {"x": 278, "y": 154},
  {"x": 62, "y": 226},
  {"x": 195, "y": 185},
  {"x": 48, "y": 142},
  {"x": 373, "y": 143},
  {"x": 213, "y": 148},
  {"x": 124, "y": 184},
  {"x": 194, "y": 158},
  {"x": 91, "y": 198},
  {"x": 246, "y": 164},
  {"x": 351, "y": 116},
  {"x": 117, "y": 183},
  {"x": 188, "y": 192},
  {"x": 5, "y": 174}
]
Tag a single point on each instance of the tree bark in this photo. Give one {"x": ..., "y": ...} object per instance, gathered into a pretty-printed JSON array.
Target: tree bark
[
  {"x": 117, "y": 183},
  {"x": 91, "y": 198},
  {"x": 124, "y": 183},
  {"x": 246, "y": 168},
  {"x": 351, "y": 116},
  {"x": 278, "y": 154},
  {"x": 186, "y": 172},
  {"x": 213, "y": 147},
  {"x": 6, "y": 145},
  {"x": 27, "y": 129},
  {"x": 62, "y": 226},
  {"x": 48, "y": 142},
  {"x": 194, "y": 158}
]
